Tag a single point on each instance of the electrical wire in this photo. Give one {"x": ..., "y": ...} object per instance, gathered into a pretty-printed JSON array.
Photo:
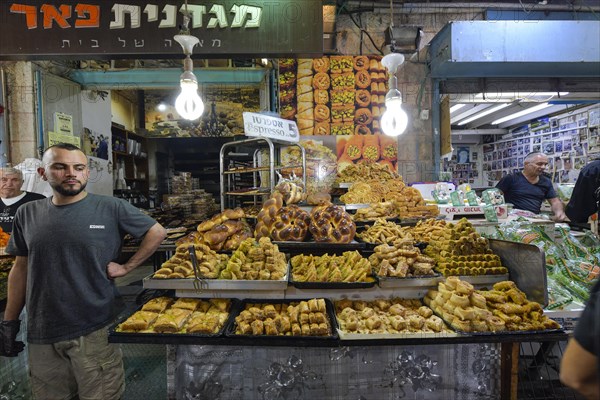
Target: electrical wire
[{"x": 378, "y": 48}]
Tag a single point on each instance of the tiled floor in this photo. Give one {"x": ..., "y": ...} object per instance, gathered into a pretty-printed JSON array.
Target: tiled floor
[{"x": 145, "y": 365}]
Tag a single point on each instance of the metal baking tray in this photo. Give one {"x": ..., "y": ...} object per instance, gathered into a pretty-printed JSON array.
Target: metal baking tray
[
  {"x": 334, "y": 285},
  {"x": 231, "y": 326},
  {"x": 372, "y": 222},
  {"x": 416, "y": 335},
  {"x": 415, "y": 281},
  {"x": 320, "y": 247},
  {"x": 483, "y": 279},
  {"x": 216, "y": 284},
  {"x": 166, "y": 338}
]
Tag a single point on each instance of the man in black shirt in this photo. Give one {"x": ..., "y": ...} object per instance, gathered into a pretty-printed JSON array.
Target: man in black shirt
[
  {"x": 584, "y": 198},
  {"x": 527, "y": 190},
  {"x": 12, "y": 197}
]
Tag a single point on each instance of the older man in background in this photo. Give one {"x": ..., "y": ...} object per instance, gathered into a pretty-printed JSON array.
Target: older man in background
[
  {"x": 527, "y": 189},
  {"x": 12, "y": 197}
]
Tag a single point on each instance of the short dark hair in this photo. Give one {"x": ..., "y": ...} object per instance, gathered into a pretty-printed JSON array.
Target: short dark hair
[{"x": 64, "y": 146}]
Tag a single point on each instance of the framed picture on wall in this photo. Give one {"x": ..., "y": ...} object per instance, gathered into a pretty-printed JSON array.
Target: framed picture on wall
[
  {"x": 463, "y": 155},
  {"x": 558, "y": 146},
  {"x": 594, "y": 117}
]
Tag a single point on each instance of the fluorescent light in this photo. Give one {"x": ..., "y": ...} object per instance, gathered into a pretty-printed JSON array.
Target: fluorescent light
[
  {"x": 517, "y": 95},
  {"x": 456, "y": 107},
  {"x": 521, "y": 113},
  {"x": 483, "y": 113}
]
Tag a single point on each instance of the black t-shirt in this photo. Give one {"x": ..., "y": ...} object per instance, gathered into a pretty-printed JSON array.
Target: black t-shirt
[
  {"x": 7, "y": 213},
  {"x": 524, "y": 195},
  {"x": 583, "y": 199},
  {"x": 587, "y": 331}
]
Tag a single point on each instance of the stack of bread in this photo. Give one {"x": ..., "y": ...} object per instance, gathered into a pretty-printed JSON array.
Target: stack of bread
[
  {"x": 400, "y": 260},
  {"x": 180, "y": 265},
  {"x": 183, "y": 315},
  {"x": 330, "y": 223},
  {"x": 293, "y": 192},
  {"x": 256, "y": 260},
  {"x": 505, "y": 308},
  {"x": 349, "y": 267},
  {"x": 458, "y": 248},
  {"x": 289, "y": 223},
  {"x": 223, "y": 232},
  {"x": 387, "y": 316},
  {"x": 304, "y": 318}
]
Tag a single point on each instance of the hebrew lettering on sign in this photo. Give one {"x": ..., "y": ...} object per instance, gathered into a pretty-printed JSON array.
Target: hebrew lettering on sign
[
  {"x": 119, "y": 12},
  {"x": 88, "y": 15}
]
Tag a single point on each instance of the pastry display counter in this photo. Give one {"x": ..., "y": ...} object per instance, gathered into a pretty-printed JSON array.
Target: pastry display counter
[{"x": 427, "y": 366}]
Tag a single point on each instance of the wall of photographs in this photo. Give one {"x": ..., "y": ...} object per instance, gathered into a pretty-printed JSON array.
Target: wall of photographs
[
  {"x": 464, "y": 166},
  {"x": 569, "y": 140}
]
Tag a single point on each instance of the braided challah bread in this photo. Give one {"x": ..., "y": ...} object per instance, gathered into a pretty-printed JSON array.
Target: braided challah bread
[
  {"x": 291, "y": 224},
  {"x": 280, "y": 223},
  {"x": 330, "y": 223}
]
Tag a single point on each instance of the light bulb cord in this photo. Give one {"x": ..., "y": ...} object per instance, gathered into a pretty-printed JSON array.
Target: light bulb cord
[{"x": 188, "y": 64}]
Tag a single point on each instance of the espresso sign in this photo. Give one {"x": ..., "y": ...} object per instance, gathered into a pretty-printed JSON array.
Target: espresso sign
[
  {"x": 35, "y": 29},
  {"x": 260, "y": 125}
]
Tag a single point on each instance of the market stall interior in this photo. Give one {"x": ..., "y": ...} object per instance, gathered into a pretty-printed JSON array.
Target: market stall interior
[{"x": 332, "y": 260}]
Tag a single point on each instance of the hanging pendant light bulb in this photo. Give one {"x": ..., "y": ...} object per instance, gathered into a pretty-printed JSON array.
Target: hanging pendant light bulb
[
  {"x": 394, "y": 120},
  {"x": 188, "y": 104}
]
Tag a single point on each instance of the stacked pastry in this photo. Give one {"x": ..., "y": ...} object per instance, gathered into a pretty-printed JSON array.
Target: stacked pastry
[
  {"x": 501, "y": 309},
  {"x": 458, "y": 248},
  {"x": 321, "y": 165},
  {"x": 349, "y": 267},
  {"x": 304, "y": 94},
  {"x": 223, "y": 232},
  {"x": 400, "y": 260},
  {"x": 287, "y": 88},
  {"x": 183, "y": 315},
  {"x": 384, "y": 232},
  {"x": 367, "y": 149},
  {"x": 365, "y": 172},
  {"x": 385, "y": 210},
  {"x": 387, "y": 316},
  {"x": 304, "y": 318},
  {"x": 408, "y": 201},
  {"x": 256, "y": 260},
  {"x": 180, "y": 265},
  {"x": 293, "y": 192}
]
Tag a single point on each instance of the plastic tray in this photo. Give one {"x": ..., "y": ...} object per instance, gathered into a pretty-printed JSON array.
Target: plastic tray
[
  {"x": 231, "y": 325},
  {"x": 217, "y": 284},
  {"x": 166, "y": 338}
]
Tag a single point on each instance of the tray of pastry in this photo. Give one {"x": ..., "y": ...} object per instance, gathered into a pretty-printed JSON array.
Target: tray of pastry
[
  {"x": 284, "y": 320},
  {"x": 409, "y": 281},
  {"x": 369, "y": 222},
  {"x": 319, "y": 246},
  {"x": 483, "y": 279},
  {"x": 172, "y": 320},
  {"x": 388, "y": 319},
  {"x": 370, "y": 282},
  {"x": 216, "y": 284}
]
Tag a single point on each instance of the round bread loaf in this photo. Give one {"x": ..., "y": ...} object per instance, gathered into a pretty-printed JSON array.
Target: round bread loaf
[
  {"x": 291, "y": 224},
  {"x": 330, "y": 223}
]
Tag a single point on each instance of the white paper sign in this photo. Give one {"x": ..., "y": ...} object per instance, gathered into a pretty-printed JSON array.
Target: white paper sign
[{"x": 261, "y": 125}]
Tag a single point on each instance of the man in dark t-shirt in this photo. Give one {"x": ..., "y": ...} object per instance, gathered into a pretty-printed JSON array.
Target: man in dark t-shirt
[
  {"x": 579, "y": 364},
  {"x": 585, "y": 193},
  {"x": 527, "y": 190},
  {"x": 12, "y": 197}
]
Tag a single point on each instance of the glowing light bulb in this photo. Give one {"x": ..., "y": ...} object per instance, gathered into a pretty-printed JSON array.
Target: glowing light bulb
[
  {"x": 189, "y": 104},
  {"x": 394, "y": 120}
]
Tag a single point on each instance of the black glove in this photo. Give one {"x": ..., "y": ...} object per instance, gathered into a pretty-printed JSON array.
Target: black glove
[{"x": 9, "y": 345}]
